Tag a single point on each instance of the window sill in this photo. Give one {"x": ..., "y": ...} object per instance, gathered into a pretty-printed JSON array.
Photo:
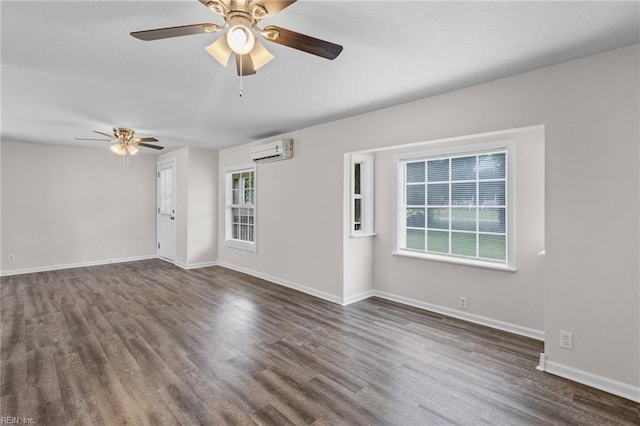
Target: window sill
[
  {"x": 363, "y": 234},
  {"x": 241, "y": 246},
  {"x": 455, "y": 260}
]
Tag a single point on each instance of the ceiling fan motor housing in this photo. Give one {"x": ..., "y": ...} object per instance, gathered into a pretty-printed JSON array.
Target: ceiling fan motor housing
[{"x": 123, "y": 134}]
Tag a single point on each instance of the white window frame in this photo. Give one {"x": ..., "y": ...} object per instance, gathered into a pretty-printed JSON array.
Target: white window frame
[
  {"x": 365, "y": 196},
  {"x": 229, "y": 240},
  {"x": 460, "y": 150}
]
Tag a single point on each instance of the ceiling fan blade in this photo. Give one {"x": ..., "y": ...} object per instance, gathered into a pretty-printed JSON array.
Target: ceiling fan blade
[
  {"x": 105, "y": 134},
  {"x": 146, "y": 145},
  {"x": 101, "y": 140},
  {"x": 259, "y": 55},
  {"x": 304, "y": 43},
  {"x": 220, "y": 50},
  {"x": 272, "y": 6},
  {"x": 147, "y": 140},
  {"x": 160, "y": 33},
  {"x": 244, "y": 65}
]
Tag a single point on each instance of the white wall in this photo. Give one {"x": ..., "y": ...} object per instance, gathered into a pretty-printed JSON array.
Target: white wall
[
  {"x": 590, "y": 111},
  {"x": 203, "y": 208},
  {"x": 59, "y": 204},
  {"x": 196, "y": 205},
  {"x": 300, "y": 215}
]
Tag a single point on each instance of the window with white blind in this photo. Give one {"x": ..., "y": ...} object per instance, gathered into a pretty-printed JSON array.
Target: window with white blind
[
  {"x": 458, "y": 206},
  {"x": 240, "y": 208}
]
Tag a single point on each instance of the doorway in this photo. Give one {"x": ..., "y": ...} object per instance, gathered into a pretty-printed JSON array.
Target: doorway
[{"x": 166, "y": 223}]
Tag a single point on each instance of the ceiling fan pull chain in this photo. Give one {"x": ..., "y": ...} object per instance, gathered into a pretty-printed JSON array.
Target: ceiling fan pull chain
[{"x": 241, "y": 75}]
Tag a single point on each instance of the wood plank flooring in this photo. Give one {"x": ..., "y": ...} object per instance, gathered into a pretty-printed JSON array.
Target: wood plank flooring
[{"x": 151, "y": 344}]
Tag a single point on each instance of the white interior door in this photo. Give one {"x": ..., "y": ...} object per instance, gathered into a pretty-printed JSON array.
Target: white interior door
[{"x": 166, "y": 223}]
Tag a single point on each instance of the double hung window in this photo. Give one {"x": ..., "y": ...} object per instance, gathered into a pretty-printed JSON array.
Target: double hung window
[{"x": 241, "y": 208}]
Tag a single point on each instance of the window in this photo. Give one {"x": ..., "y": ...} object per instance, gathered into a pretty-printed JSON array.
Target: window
[
  {"x": 361, "y": 195},
  {"x": 357, "y": 197},
  {"x": 166, "y": 188},
  {"x": 240, "y": 208},
  {"x": 457, "y": 207}
]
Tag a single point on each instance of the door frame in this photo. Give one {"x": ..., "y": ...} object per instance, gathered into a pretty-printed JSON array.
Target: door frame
[{"x": 160, "y": 165}]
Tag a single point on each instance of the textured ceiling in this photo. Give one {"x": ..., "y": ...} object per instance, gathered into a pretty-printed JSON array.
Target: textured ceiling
[{"x": 71, "y": 67}]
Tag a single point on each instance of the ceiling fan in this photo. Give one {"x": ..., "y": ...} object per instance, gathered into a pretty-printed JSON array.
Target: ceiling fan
[
  {"x": 124, "y": 143},
  {"x": 241, "y": 22}
]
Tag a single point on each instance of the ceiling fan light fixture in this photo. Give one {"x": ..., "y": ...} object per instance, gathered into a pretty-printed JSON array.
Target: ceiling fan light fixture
[
  {"x": 220, "y": 50},
  {"x": 118, "y": 148},
  {"x": 132, "y": 149},
  {"x": 240, "y": 39}
]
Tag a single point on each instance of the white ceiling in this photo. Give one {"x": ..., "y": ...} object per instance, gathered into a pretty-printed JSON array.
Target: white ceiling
[{"x": 70, "y": 67}]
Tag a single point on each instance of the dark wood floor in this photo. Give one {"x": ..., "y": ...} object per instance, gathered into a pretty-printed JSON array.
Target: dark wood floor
[{"x": 149, "y": 343}]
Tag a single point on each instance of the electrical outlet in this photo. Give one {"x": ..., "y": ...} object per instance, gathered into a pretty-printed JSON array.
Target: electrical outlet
[
  {"x": 462, "y": 303},
  {"x": 99, "y": 249},
  {"x": 566, "y": 340},
  {"x": 11, "y": 258}
]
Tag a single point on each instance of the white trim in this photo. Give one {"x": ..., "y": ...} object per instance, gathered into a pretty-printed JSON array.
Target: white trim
[
  {"x": 373, "y": 234},
  {"x": 542, "y": 362},
  {"x": 75, "y": 265},
  {"x": 456, "y": 150},
  {"x": 285, "y": 283},
  {"x": 195, "y": 265},
  {"x": 476, "y": 319},
  {"x": 606, "y": 384},
  {"x": 358, "y": 297},
  {"x": 243, "y": 245},
  {"x": 240, "y": 167},
  {"x": 479, "y": 263}
]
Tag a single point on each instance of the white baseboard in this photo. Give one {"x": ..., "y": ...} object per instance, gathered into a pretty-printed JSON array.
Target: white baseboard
[
  {"x": 75, "y": 265},
  {"x": 308, "y": 290},
  {"x": 615, "y": 387},
  {"x": 358, "y": 297},
  {"x": 477, "y": 319},
  {"x": 195, "y": 265}
]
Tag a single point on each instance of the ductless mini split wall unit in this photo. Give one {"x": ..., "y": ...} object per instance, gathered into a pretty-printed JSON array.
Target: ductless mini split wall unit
[{"x": 273, "y": 151}]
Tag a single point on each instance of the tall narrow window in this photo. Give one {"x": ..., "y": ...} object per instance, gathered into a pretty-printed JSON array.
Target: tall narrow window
[
  {"x": 241, "y": 209},
  {"x": 361, "y": 195},
  {"x": 457, "y": 207},
  {"x": 166, "y": 186},
  {"x": 357, "y": 197}
]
